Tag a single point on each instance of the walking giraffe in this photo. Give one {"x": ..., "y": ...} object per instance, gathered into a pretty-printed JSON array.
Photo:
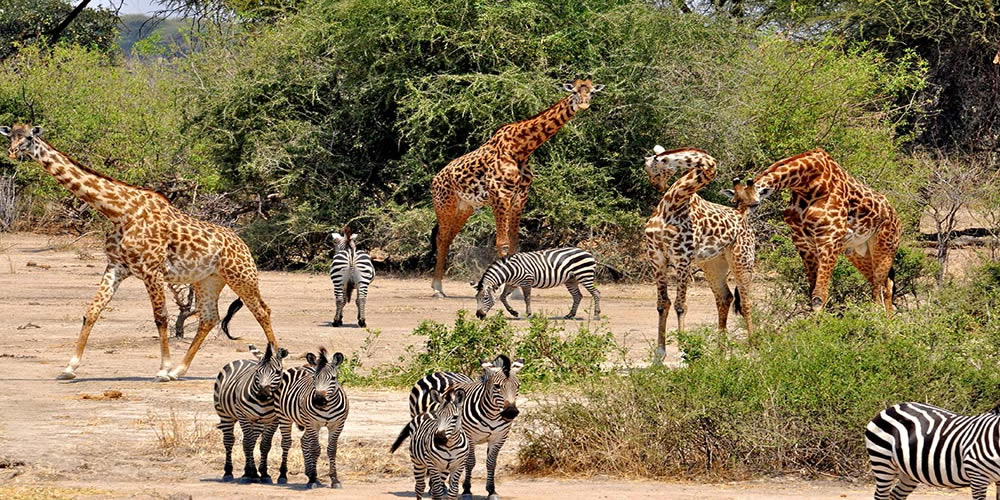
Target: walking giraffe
[
  {"x": 497, "y": 174},
  {"x": 155, "y": 242},
  {"x": 831, "y": 212},
  {"x": 686, "y": 229}
]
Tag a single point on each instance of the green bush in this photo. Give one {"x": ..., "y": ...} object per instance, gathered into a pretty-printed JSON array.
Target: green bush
[{"x": 799, "y": 401}]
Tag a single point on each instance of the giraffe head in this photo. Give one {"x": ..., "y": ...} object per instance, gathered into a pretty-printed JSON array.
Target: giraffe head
[
  {"x": 581, "y": 89},
  {"x": 343, "y": 241},
  {"x": 24, "y": 141},
  {"x": 268, "y": 372},
  {"x": 325, "y": 381},
  {"x": 663, "y": 164},
  {"x": 744, "y": 195}
]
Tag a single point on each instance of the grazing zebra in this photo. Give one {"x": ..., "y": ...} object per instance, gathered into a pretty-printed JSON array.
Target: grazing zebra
[
  {"x": 913, "y": 443},
  {"x": 351, "y": 268},
  {"x": 244, "y": 393},
  {"x": 311, "y": 398},
  {"x": 542, "y": 269},
  {"x": 489, "y": 407},
  {"x": 438, "y": 445}
]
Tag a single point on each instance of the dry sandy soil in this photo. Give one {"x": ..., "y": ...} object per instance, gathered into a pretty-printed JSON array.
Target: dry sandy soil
[{"x": 66, "y": 439}]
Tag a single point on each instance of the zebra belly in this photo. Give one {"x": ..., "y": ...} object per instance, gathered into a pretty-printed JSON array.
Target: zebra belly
[{"x": 479, "y": 435}]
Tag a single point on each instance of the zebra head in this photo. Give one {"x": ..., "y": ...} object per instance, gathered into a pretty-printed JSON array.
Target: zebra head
[
  {"x": 343, "y": 241},
  {"x": 486, "y": 291},
  {"x": 325, "y": 382},
  {"x": 500, "y": 379},
  {"x": 268, "y": 373},
  {"x": 449, "y": 416}
]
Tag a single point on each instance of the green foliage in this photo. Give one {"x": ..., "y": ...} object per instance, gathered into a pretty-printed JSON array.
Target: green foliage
[
  {"x": 797, "y": 401},
  {"x": 24, "y": 22}
]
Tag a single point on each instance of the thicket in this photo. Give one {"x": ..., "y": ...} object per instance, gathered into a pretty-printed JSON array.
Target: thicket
[{"x": 797, "y": 401}]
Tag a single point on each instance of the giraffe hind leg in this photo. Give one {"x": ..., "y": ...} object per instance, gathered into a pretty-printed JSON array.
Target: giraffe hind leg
[{"x": 207, "y": 292}]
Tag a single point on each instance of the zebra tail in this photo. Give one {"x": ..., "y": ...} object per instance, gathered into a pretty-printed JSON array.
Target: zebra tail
[
  {"x": 405, "y": 433},
  {"x": 616, "y": 274},
  {"x": 235, "y": 306},
  {"x": 737, "y": 303},
  {"x": 348, "y": 290}
]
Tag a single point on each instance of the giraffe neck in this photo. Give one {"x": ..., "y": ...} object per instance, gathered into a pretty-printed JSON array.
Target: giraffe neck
[
  {"x": 529, "y": 134},
  {"x": 796, "y": 172},
  {"x": 680, "y": 193},
  {"x": 100, "y": 192}
]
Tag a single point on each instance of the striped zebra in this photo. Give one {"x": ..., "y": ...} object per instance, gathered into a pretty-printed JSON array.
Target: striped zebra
[
  {"x": 489, "y": 407},
  {"x": 351, "y": 268},
  {"x": 438, "y": 445},
  {"x": 311, "y": 398},
  {"x": 914, "y": 443},
  {"x": 542, "y": 269},
  {"x": 244, "y": 393}
]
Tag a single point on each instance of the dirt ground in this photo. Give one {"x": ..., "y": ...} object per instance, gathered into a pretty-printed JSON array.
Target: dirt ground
[{"x": 74, "y": 439}]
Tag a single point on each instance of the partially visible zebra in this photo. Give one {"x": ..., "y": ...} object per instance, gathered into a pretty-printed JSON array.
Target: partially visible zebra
[
  {"x": 311, "y": 398},
  {"x": 916, "y": 443},
  {"x": 489, "y": 408},
  {"x": 244, "y": 393},
  {"x": 438, "y": 445},
  {"x": 570, "y": 266},
  {"x": 351, "y": 268}
]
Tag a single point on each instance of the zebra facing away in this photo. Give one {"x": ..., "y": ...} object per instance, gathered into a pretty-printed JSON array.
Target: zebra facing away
[
  {"x": 916, "y": 443},
  {"x": 569, "y": 266},
  {"x": 244, "y": 393},
  {"x": 438, "y": 445},
  {"x": 351, "y": 268},
  {"x": 311, "y": 398},
  {"x": 489, "y": 407}
]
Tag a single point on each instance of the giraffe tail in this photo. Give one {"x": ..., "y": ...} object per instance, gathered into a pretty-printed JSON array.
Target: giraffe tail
[
  {"x": 737, "y": 303},
  {"x": 235, "y": 306},
  {"x": 434, "y": 237}
]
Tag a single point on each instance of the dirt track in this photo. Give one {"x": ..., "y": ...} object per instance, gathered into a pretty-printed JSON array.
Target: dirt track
[{"x": 159, "y": 439}]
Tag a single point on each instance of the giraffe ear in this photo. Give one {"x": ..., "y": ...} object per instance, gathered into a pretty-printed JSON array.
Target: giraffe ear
[
  {"x": 569, "y": 87},
  {"x": 355, "y": 238},
  {"x": 36, "y": 131},
  {"x": 597, "y": 88},
  {"x": 657, "y": 149},
  {"x": 5, "y": 131},
  {"x": 728, "y": 193}
]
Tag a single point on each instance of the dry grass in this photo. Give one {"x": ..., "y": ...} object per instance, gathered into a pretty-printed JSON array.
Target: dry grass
[
  {"x": 177, "y": 436},
  {"x": 105, "y": 396},
  {"x": 27, "y": 492}
]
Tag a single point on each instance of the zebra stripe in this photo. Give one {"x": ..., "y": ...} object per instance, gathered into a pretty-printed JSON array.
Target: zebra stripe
[
  {"x": 244, "y": 392},
  {"x": 311, "y": 398},
  {"x": 916, "y": 443},
  {"x": 569, "y": 266},
  {"x": 438, "y": 445},
  {"x": 489, "y": 407},
  {"x": 351, "y": 268}
]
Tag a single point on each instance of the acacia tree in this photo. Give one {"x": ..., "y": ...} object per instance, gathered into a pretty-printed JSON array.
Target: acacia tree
[{"x": 29, "y": 21}]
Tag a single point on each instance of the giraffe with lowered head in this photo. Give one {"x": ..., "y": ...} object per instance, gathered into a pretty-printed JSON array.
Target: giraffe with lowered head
[
  {"x": 157, "y": 243},
  {"x": 497, "y": 174},
  {"x": 831, "y": 212}
]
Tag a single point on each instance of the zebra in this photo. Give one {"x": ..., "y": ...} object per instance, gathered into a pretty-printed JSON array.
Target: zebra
[
  {"x": 244, "y": 393},
  {"x": 570, "y": 266},
  {"x": 311, "y": 397},
  {"x": 489, "y": 407},
  {"x": 438, "y": 445},
  {"x": 351, "y": 268},
  {"x": 914, "y": 443}
]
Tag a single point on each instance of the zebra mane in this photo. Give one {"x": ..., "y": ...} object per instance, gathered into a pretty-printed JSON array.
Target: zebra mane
[
  {"x": 995, "y": 410},
  {"x": 506, "y": 364}
]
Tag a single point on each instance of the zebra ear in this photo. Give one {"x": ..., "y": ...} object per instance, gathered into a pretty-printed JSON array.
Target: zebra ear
[
  {"x": 337, "y": 237},
  {"x": 434, "y": 397},
  {"x": 337, "y": 359},
  {"x": 253, "y": 350},
  {"x": 311, "y": 359},
  {"x": 355, "y": 238},
  {"x": 282, "y": 353},
  {"x": 267, "y": 354},
  {"x": 458, "y": 395},
  {"x": 489, "y": 367},
  {"x": 516, "y": 366}
]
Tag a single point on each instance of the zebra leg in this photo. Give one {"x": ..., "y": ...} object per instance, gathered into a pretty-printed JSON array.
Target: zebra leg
[
  {"x": 266, "y": 436},
  {"x": 491, "y": 464},
  {"x": 362, "y": 298},
  {"x": 904, "y": 486},
  {"x": 249, "y": 440},
  {"x": 286, "y": 443},
  {"x": 574, "y": 290},
  {"x": 338, "y": 292},
  {"x": 596, "y": 295},
  {"x": 470, "y": 463},
  {"x": 228, "y": 439},
  {"x": 883, "y": 483},
  {"x": 331, "y": 453},
  {"x": 419, "y": 479},
  {"x": 526, "y": 292},
  {"x": 453, "y": 483},
  {"x": 979, "y": 483},
  {"x": 507, "y": 289},
  {"x": 310, "y": 455},
  {"x": 438, "y": 488}
]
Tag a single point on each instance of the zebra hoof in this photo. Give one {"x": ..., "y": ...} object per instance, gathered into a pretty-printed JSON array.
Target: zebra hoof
[
  {"x": 228, "y": 478},
  {"x": 362, "y": 323},
  {"x": 336, "y": 323},
  {"x": 494, "y": 496},
  {"x": 313, "y": 484},
  {"x": 569, "y": 316},
  {"x": 466, "y": 496},
  {"x": 266, "y": 480},
  {"x": 248, "y": 480},
  {"x": 336, "y": 485},
  {"x": 67, "y": 375},
  {"x": 282, "y": 480}
]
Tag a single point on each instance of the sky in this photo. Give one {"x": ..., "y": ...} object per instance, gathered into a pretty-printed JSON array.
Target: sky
[{"x": 129, "y": 7}]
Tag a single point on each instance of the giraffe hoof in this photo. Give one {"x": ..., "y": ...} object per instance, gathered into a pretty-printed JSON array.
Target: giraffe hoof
[
  {"x": 177, "y": 373},
  {"x": 66, "y": 375},
  {"x": 362, "y": 323},
  {"x": 162, "y": 376},
  {"x": 658, "y": 357}
]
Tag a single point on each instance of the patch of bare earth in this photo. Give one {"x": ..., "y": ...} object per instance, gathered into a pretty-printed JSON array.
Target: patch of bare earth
[{"x": 112, "y": 432}]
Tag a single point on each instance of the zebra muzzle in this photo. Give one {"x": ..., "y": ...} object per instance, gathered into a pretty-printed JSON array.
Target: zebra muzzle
[
  {"x": 480, "y": 314},
  {"x": 510, "y": 412}
]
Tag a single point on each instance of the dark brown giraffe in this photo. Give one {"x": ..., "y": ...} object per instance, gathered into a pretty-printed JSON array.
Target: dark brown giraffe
[
  {"x": 155, "y": 242},
  {"x": 497, "y": 174},
  {"x": 830, "y": 213}
]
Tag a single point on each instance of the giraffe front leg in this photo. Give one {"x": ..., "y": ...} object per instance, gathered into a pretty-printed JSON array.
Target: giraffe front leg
[
  {"x": 683, "y": 280},
  {"x": 501, "y": 214},
  {"x": 826, "y": 260},
  {"x": 662, "y": 311},
  {"x": 113, "y": 276},
  {"x": 514, "y": 220},
  {"x": 154, "y": 287},
  {"x": 207, "y": 293},
  {"x": 451, "y": 215}
]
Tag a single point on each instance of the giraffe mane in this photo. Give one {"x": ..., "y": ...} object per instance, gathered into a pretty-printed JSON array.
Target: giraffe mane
[
  {"x": 678, "y": 150},
  {"x": 799, "y": 156},
  {"x": 102, "y": 175}
]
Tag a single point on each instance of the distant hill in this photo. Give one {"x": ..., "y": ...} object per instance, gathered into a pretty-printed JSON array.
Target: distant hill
[{"x": 162, "y": 36}]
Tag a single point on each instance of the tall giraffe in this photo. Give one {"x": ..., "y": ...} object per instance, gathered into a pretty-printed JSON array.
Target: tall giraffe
[
  {"x": 686, "y": 229},
  {"x": 497, "y": 174},
  {"x": 832, "y": 212},
  {"x": 157, "y": 243}
]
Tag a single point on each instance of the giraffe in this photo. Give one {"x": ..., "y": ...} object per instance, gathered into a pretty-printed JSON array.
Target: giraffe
[
  {"x": 831, "y": 212},
  {"x": 497, "y": 174},
  {"x": 155, "y": 242},
  {"x": 686, "y": 229}
]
